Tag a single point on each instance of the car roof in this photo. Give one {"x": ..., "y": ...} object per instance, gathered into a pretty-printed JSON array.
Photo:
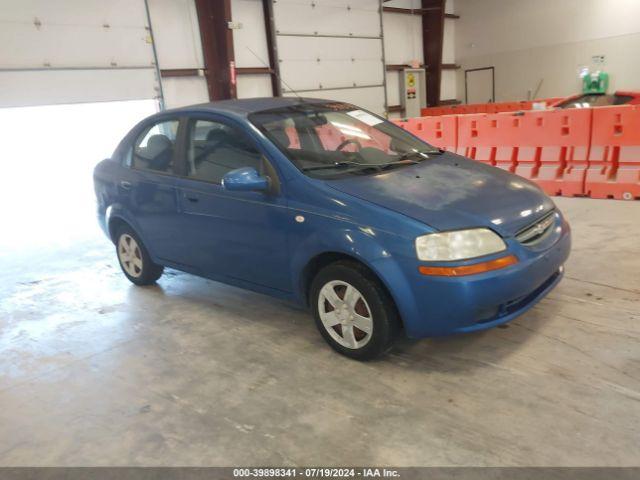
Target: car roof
[{"x": 246, "y": 106}]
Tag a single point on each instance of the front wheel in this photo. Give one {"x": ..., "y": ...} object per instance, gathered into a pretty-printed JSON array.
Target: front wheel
[
  {"x": 353, "y": 311},
  {"x": 134, "y": 259}
]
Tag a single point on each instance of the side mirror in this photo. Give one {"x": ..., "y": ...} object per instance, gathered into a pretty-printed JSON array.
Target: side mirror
[{"x": 244, "y": 179}]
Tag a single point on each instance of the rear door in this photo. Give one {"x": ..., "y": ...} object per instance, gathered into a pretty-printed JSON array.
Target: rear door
[
  {"x": 239, "y": 235},
  {"x": 148, "y": 187}
]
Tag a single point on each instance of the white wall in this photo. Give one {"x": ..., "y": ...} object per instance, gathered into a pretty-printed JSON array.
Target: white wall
[
  {"x": 74, "y": 51},
  {"x": 177, "y": 38},
  {"x": 403, "y": 43},
  {"x": 178, "y": 44},
  {"x": 250, "y": 47},
  {"x": 332, "y": 47},
  {"x": 549, "y": 40},
  {"x": 448, "y": 81}
]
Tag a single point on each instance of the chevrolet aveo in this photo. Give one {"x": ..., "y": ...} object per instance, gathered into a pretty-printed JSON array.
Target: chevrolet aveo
[{"x": 335, "y": 208}]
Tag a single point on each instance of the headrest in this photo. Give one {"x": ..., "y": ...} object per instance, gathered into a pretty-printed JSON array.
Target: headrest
[
  {"x": 399, "y": 146},
  {"x": 281, "y": 137},
  {"x": 216, "y": 134},
  {"x": 157, "y": 144}
]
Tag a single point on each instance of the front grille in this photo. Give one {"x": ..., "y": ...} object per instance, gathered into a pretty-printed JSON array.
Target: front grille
[{"x": 532, "y": 234}]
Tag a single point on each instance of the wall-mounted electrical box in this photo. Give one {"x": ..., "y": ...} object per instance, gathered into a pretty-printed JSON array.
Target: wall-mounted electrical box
[{"x": 413, "y": 91}]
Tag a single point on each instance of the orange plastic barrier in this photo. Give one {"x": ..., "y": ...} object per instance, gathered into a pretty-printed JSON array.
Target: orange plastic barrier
[
  {"x": 614, "y": 169},
  {"x": 453, "y": 110},
  {"x": 294, "y": 141},
  {"x": 508, "y": 107},
  {"x": 478, "y": 138},
  {"x": 441, "y": 131},
  {"x": 557, "y": 154},
  {"x": 549, "y": 147},
  {"x": 435, "y": 111},
  {"x": 486, "y": 107},
  {"x": 594, "y": 152},
  {"x": 332, "y": 137}
]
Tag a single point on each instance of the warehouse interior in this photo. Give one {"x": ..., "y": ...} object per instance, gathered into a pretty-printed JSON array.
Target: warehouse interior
[{"x": 95, "y": 371}]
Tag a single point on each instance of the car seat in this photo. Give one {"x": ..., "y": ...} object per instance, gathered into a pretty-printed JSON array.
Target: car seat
[{"x": 159, "y": 152}]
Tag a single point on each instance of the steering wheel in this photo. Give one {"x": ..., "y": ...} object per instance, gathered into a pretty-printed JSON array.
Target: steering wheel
[{"x": 347, "y": 142}]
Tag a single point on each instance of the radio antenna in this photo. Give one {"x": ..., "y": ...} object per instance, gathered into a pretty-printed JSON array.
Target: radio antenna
[{"x": 274, "y": 72}]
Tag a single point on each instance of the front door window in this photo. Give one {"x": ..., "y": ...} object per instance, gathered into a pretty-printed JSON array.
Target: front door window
[{"x": 215, "y": 149}]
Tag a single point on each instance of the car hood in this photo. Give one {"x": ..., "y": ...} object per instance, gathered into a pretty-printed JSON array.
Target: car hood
[{"x": 449, "y": 192}]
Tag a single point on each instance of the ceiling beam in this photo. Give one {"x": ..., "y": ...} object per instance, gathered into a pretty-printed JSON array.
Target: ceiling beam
[
  {"x": 269, "y": 26},
  {"x": 397, "y": 67},
  {"x": 432, "y": 40},
  {"x": 253, "y": 70},
  {"x": 181, "y": 72},
  {"x": 217, "y": 47},
  {"x": 406, "y": 11}
]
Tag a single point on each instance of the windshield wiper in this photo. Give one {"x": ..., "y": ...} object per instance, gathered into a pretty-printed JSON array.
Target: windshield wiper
[
  {"x": 405, "y": 161},
  {"x": 377, "y": 166},
  {"x": 422, "y": 155},
  {"x": 341, "y": 165}
]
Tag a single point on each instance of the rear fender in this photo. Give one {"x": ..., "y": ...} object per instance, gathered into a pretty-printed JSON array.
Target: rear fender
[{"x": 118, "y": 211}]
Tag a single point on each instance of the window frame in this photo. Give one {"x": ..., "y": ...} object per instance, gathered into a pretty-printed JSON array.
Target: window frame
[{"x": 129, "y": 159}]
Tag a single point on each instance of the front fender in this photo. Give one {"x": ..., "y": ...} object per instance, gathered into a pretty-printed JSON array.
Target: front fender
[{"x": 373, "y": 249}]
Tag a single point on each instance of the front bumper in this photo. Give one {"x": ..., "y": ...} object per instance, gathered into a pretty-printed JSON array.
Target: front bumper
[
  {"x": 448, "y": 305},
  {"x": 514, "y": 308}
]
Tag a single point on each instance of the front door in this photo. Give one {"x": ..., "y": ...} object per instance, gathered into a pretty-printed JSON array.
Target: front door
[{"x": 239, "y": 235}]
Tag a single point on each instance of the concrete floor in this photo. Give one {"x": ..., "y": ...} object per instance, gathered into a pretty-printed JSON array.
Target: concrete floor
[{"x": 95, "y": 371}]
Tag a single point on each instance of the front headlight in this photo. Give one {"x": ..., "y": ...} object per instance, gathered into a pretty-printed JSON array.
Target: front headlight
[{"x": 458, "y": 245}]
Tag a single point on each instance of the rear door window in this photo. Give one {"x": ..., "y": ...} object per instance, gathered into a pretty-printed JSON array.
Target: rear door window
[{"x": 155, "y": 148}]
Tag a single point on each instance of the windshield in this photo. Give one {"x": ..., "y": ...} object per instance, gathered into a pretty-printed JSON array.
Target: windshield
[{"x": 329, "y": 140}]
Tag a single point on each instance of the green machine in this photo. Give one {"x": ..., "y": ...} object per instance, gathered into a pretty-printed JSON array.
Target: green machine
[{"x": 596, "y": 82}]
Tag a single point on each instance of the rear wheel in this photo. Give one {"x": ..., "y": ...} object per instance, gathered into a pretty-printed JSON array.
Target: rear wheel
[
  {"x": 134, "y": 258},
  {"x": 353, "y": 311}
]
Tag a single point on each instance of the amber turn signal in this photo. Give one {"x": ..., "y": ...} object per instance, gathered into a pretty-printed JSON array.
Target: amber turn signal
[{"x": 476, "y": 268}]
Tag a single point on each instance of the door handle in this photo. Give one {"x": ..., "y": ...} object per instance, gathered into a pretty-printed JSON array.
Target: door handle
[
  {"x": 125, "y": 185},
  {"x": 192, "y": 199}
]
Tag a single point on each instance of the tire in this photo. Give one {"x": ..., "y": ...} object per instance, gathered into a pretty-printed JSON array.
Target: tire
[
  {"x": 366, "y": 324},
  {"x": 135, "y": 262}
]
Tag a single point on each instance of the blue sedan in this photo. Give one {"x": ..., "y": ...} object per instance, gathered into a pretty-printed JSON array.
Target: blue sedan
[{"x": 333, "y": 207}]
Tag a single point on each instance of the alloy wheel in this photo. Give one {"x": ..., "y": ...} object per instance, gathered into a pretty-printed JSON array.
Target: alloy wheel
[
  {"x": 345, "y": 314},
  {"x": 130, "y": 255}
]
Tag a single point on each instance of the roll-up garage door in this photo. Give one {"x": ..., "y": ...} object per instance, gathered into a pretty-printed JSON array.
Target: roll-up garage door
[
  {"x": 331, "y": 49},
  {"x": 75, "y": 51}
]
